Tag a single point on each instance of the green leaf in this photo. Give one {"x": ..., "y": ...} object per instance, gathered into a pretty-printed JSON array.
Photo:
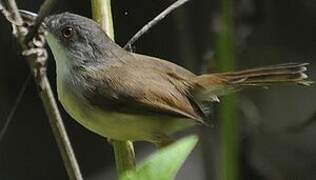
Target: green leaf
[{"x": 164, "y": 164}]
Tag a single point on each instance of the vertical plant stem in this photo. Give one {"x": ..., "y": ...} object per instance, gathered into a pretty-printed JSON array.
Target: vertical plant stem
[
  {"x": 227, "y": 114},
  {"x": 124, "y": 156},
  {"x": 102, "y": 14},
  {"x": 123, "y": 150}
]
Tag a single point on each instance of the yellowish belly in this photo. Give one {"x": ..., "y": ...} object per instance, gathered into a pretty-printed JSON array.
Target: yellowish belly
[{"x": 120, "y": 126}]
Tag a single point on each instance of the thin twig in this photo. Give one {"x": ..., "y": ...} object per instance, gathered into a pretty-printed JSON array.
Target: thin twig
[
  {"x": 14, "y": 107},
  {"x": 36, "y": 57},
  {"x": 153, "y": 22}
]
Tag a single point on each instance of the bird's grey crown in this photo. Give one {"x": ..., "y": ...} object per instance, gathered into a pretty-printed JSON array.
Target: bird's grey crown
[{"x": 89, "y": 43}]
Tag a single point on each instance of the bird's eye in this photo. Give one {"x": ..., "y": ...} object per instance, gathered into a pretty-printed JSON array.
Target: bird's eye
[{"x": 67, "y": 32}]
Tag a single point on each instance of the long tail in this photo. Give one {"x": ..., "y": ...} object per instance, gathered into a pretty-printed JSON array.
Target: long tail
[
  {"x": 217, "y": 84},
  {"x": 290, "y": 73}
]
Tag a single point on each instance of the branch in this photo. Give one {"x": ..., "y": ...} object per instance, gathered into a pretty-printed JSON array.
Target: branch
[
  {"x": 153, "y": 22},
  {"x": 123, "y": 150},
  {"x": 36, "y": 57}
]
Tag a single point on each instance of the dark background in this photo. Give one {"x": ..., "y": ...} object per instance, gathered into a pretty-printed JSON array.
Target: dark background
[{"x": 277, "y": 133}]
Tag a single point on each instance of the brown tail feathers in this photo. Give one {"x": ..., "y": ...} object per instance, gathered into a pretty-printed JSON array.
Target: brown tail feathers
[{"x": 217, "y": 84}]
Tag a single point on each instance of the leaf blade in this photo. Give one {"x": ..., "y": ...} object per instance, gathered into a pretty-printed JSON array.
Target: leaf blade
[{"x": 164, "y": 164}]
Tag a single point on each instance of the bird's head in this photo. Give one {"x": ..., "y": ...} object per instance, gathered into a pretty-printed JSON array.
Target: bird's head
[{"x": 78, "y": 40}]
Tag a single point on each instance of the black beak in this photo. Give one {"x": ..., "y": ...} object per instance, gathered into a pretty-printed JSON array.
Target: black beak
[{"x": 30, "y": 17}]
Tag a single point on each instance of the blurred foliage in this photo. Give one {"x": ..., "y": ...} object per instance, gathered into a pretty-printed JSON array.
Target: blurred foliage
[{"x": 164, "y": 164}]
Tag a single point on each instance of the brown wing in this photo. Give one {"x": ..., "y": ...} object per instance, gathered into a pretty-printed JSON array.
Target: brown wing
[{"x": 145, "y": 84}]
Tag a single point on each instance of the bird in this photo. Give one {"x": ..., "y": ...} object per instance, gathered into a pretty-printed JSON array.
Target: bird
[{"x": 123, "y": 95}]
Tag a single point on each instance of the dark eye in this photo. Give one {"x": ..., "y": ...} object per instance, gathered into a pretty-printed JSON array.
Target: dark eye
[{"x": 67, "y": 32}]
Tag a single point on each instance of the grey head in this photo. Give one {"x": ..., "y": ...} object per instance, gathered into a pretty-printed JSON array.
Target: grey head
[{"x": 79, "y": 41}]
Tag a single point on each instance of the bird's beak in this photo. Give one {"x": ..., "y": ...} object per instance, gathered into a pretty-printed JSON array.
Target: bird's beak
[{"x": 30, "y": 17}]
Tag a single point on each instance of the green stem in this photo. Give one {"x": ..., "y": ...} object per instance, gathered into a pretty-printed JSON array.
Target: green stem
[
  {"x": 123, "y": 150},
  {"x": 124, "y": 156},
  {"x": 102, "y": 14},
  {"x": 225, "y": 49}
]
